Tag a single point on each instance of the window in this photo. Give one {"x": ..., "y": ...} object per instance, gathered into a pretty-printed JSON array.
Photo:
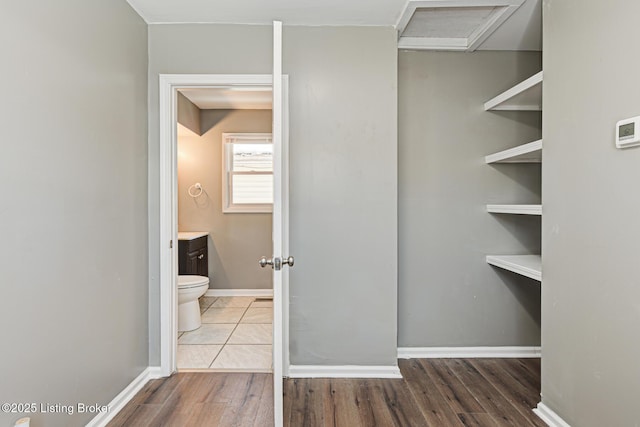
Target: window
[{"x": 247, "y": 172}]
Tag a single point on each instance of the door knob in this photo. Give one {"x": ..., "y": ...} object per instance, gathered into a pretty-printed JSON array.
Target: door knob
[
  {"x": 264, "y": 262},
  {"x": 200, "y": 256},
  {"x": 288, "y": 261},
  {"x": 275, "y": 262}
]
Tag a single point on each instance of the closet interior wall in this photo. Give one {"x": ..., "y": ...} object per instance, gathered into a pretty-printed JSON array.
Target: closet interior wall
[{"x": 448, "y": 295}]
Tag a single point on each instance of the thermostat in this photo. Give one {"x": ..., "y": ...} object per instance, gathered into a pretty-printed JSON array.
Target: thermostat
[{"x": 628, "y": 132}]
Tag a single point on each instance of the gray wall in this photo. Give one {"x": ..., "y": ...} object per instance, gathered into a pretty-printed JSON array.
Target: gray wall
[
  {"x": 236, "y": 240},
  {"x": 73, "y": 174},
  {"x": 591, "y": 289},
  {"x": 343, "y": 176},
  {"x": 448, "y": 295},
  {"x": 343, "y": 194},
  {"x": 188, "y": 114}
]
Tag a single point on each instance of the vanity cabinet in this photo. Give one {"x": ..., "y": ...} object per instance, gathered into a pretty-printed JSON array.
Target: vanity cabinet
[{"x": 193, "y": 257}]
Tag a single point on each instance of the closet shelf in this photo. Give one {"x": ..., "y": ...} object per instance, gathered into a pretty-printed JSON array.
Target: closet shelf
[
  {"x": 525, "y": 96},
  {"x": 515, "y": 209},
  {"x": 526, "y": 153},
  {"x": 525, "y": 265}
]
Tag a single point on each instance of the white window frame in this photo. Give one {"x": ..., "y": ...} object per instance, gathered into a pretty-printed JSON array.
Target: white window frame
[{"x": 227, "y": 158}]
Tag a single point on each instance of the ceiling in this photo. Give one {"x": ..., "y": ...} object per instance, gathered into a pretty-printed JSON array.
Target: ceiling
[
  {"x": 290, "y": 12},
  {"x": 231, "y": 98},
  {"x": 521, "y": 31}
]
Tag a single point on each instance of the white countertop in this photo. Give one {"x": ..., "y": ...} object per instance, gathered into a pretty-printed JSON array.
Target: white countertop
[{"x": 191, "y": 235}]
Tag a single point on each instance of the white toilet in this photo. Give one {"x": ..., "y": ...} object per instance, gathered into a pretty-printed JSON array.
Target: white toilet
[{"x": 190, "y": 288}]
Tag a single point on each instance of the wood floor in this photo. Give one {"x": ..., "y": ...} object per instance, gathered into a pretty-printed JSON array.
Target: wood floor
[
  {"x": 433, "y": 392},
  {"x": 202, "y": 399}
]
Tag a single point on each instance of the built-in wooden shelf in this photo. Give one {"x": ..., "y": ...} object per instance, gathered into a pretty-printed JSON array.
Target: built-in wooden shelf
[
  {"x": 526, "y": 153},
  {"x": 516, "y": 209},
  {"x": 525, "y": 265},
  {"x": 525, "y": 96}
]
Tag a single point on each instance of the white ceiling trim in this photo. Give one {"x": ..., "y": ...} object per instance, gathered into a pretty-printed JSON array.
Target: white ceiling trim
[
  {"x": 503, "y": 10},
  {"x": 432, "y": 43}
]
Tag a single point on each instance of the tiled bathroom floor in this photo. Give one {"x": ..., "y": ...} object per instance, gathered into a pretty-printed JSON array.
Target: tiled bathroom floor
[{"x": 235, "y": 335}]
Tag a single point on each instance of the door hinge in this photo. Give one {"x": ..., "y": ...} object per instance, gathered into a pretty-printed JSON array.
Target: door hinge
[{"x": 171, "y": 244}]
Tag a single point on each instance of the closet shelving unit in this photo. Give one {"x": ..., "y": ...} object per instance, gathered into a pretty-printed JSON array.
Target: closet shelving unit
[
  {"x": 515, "y": 209},
  {"x": 525, "y": 96},
  {"x": 526, "y": 153},
  {"x": 525, "y": 265}
]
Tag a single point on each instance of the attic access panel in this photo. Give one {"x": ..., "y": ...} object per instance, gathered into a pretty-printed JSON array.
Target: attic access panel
[{"x": 453, "y": 24}]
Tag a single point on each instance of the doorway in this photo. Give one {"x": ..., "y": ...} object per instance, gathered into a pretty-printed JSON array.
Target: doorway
[
  {"x": 225, "y": 200},
  {"x": 169, "y": 87}
]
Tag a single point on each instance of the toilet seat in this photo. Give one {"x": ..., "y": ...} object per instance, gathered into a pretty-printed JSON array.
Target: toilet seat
[{"x": 190, "y": 281}]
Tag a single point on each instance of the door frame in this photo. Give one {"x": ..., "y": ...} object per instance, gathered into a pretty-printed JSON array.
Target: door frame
[{"x": 168, "y": 209}]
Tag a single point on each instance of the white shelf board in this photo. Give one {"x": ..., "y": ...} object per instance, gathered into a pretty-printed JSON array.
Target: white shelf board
[
  {"x": 525, "y": 265},
  {"x": 525, "y": 96},
  {"x": 526, "y": 153},
  {"x": 516, "y": 209}
]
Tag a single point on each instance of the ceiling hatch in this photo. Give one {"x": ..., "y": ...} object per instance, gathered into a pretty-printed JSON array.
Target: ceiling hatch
[{"x": 451, "y": 24}]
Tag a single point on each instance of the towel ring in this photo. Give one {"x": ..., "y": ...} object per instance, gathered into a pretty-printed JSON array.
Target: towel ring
[{"x": 198, "y": 188}]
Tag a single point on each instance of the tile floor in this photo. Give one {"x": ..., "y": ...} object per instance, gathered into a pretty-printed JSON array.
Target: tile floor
[{"x": 235, "y": 335}]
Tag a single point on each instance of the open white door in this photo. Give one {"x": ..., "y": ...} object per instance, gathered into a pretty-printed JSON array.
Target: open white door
[
  {"x": 280, "y": 260},
  {"x": 279, "y": 263}
]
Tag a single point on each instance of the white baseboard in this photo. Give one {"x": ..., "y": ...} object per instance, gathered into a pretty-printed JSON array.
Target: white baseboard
[
  {"x": 343, "y": 371},
  {"x": 547, "y": 415},
  {"x": 239, "y": 293},
  {"x": 467, "y": 352},
  {"x": 119, "y": 402},
  {"x": 155, "y": 372}
]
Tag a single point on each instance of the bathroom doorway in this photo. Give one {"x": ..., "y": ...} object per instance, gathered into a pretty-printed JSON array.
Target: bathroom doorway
[
  {"x": 170, "y": 85},
  {"x": 225, "y": 202}
]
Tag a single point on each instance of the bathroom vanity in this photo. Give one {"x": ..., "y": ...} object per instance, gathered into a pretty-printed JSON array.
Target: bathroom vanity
[{"x": 193, "y": 253}]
